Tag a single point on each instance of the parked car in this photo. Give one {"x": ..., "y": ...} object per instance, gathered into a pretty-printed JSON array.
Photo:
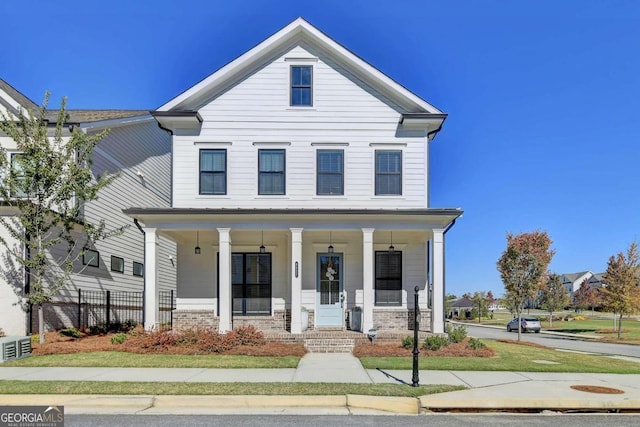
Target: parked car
[{"x": 529, "y": 324}]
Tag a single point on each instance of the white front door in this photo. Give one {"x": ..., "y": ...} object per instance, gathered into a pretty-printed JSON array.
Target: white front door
[{"x": 329, "y": 290}]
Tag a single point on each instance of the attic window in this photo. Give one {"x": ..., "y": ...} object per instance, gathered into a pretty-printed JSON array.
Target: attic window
[{"x": 301, "y": 86}]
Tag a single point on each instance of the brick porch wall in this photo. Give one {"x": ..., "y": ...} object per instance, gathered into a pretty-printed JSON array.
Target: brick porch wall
[
  {"x": 192, "y": 319},
  {"x": 400, "y": 319}
]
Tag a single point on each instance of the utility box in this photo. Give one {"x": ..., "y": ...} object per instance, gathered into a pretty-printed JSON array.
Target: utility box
[{"x": 12, "y": 348}]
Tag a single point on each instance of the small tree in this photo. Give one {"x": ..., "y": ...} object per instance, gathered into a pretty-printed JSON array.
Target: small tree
[
  {"x": 481, "y": 304},
  {"x": 553, "y": 296},
  {"x": 522, "y": 266},
  {"x": 46, "y": 183},
  {"x": 621, "y": 293},
  {"x": 585, "y": 297}
]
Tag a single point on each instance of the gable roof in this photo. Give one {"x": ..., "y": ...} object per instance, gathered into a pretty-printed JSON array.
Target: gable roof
[
  {"x": 463, "y": 302},
  {"x": 297, "y": 31},
  {"x": 572, "y": 277},
  {"x": 18, "y": 97}
]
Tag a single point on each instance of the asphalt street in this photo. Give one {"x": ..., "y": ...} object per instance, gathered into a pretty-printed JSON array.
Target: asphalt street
[
  {"x": 557, "y": 341},
  {"x": 548, "y": 419}
]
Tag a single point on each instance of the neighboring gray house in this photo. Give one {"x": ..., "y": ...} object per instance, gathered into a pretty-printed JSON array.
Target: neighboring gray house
[
  {"x": 573, "y": 281},
  {"x": 300, "y": 186},
  {"x": 141, "y": 152},
  {"x": 460, "y": 307}
]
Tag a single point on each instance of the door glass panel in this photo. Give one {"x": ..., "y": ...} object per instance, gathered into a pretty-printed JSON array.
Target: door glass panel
[{"x": 330, "y": 272}]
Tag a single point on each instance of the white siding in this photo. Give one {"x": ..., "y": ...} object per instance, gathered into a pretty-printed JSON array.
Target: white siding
[
  {"x": 255, "y": 113},
  {"x": 13, "y": 319},
  {"x": 144, "y": 148}
]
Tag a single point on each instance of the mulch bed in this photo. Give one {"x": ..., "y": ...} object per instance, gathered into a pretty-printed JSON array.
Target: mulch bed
[{"x": 395, "y": 350}]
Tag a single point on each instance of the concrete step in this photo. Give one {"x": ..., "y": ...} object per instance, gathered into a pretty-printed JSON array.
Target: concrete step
[{"x": 329, "y": 345}]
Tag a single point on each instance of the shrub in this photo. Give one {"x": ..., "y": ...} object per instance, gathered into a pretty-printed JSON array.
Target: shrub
[
  {"x": 475, "y": 344},
  {"x": 407, "y": 342},
  {"x": 70, "y": 332},
  {"x": 119, "y": 338},
  {"x": 457, "y": 333},
  {"x": 435, "y": 342},
  {"x": 99, "y": 329},
  {"x": 579, "y": 317}
]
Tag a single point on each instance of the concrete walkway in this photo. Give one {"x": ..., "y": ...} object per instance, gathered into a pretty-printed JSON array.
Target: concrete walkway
[{"x": 486, "y": 390}]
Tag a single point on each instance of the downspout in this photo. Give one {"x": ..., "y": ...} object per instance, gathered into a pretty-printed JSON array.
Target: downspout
[{"x": 144, "y": 257}]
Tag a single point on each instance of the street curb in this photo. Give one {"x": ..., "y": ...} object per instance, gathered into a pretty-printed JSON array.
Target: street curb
[{"x": 181, "y": 404}]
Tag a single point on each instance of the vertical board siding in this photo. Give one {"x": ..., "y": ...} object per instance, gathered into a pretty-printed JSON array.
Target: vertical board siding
[{"x": 256, "y": 110}]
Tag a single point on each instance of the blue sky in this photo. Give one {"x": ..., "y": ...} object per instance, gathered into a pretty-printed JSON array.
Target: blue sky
[{"x": 543, "y": 97}]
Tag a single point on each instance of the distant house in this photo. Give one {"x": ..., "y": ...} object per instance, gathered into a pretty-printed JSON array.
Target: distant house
[
  {"x": 573, "y": 281},
  {"x": 460, "y": 307}
]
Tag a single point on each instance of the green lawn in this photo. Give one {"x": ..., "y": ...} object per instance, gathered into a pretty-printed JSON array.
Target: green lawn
[
  {"x": 512, "y": 357},
  {"x": 133, "y": 388},
  {"x": 118, "y": 359}
]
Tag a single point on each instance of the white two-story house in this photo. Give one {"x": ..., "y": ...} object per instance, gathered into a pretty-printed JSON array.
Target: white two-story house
[
  {"x": 140, "y": 153},
  {"x": 300, "y": 186}
]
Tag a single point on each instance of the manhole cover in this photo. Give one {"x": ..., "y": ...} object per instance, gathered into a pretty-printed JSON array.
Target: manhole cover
[{"x": 597, "y": 389}]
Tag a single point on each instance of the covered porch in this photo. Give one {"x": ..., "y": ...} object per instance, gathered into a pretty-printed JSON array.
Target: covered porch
[{"x": 295, "y": 270}]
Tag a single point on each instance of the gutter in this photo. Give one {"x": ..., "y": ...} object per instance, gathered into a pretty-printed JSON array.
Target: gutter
[{"x": 144, "y": 277}]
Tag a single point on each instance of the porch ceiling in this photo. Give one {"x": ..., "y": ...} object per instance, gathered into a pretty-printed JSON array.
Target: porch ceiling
[{"x": 283, "y": 219}]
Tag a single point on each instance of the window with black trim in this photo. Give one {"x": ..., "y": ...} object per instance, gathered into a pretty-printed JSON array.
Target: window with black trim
[
  {"x": 271, "y": 172},
  {"x": 117, "y": 264},
  {"x": 388, "y": 172},
  {"x": 91, "y": 258},
  {"x": 330, "y": 172},
  {"x": 17, "y": 176},
  {"x": 301, "y": 85},
  {"x": 388, "y": 278},
  {"x": 251, "y": 283},
  {"x": 213, "y": 171},
  {"x": 138, "y": 269}
]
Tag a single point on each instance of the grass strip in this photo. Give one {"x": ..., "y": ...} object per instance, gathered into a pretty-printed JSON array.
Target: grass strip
[
  {"x": 166, "y": 388},
  {"x": 511, "y": 357},
  {"x": 116, "y": 359}
]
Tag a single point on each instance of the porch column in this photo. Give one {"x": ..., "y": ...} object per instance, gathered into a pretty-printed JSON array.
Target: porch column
[
  {"x": 296, "y": 280},
  {"x": 150, "y": 279},
  {"x": 224, "y": 271},
  {"x": 367, "y": 279},
  {"x": 437, "y": 311}
]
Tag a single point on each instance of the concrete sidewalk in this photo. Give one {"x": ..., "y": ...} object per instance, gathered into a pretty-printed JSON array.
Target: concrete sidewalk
[{"x": 486, "y": 390}]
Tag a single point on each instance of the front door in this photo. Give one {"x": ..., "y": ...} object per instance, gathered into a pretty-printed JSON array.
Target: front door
[{"x": 329, "y": 295}]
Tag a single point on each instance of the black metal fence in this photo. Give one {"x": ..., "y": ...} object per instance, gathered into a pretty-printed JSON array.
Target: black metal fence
[{"x": 114, "y": 309}]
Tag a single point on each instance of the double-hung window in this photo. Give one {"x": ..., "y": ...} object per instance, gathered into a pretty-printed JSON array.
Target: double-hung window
[
  {"x": 117, "y": 264},
  {"x": 18, "y": 180},
  {"x": 388, "y": 172},
  {"x": 301, "y": 86},
  {"x": 388, "y": 278},
  {"x": 271, "y": 172},
  {"x": 213, "y": 172},
  {"x": 330, "y": 172}
]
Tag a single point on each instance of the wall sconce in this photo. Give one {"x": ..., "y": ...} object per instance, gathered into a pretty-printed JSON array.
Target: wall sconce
[
  {"x": 330, "y": 248},
  {"x": 262, "y": 248},
  {"x": 197, "y": 250},
  {"x": 391, "y": 247}
]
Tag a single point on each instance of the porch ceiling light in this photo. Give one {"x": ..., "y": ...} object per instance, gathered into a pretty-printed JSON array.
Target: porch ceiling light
[
  {"x": 330, "y": 248},
  {"x": 197, "y": 243},
  {"x": 262, "y": 248},
  {"x": 391, "y": 247}
]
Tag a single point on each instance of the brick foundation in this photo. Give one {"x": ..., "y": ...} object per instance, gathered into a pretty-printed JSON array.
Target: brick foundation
[
  {"x": 193, "y": 319},
  {"x": 400, "y": 319}
]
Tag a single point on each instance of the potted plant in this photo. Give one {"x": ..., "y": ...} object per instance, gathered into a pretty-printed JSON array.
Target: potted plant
[{"x": 355, "y": 318}]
